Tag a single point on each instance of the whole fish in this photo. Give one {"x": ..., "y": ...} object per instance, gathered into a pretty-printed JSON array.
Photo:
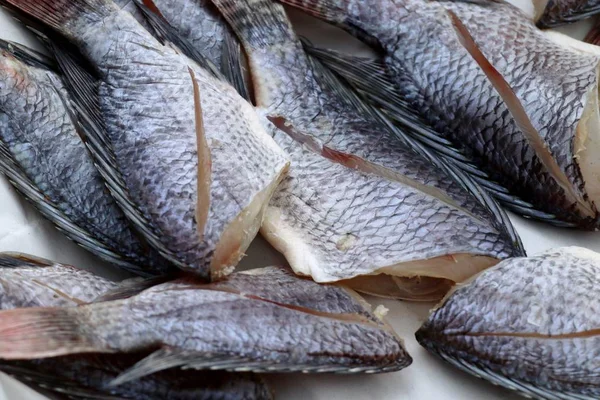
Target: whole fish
[
  {"x": 42, "y": 154},
  {"x": 356, "y": 203},
  {"x": 26, "y": 281},
  {"x": 184, "y": 154},
  {"x": 552, "y": 13},
  {"x": 261, "y": 320},
  {"x": 528, "y": 324},
  {"x": 495, "y": 86}
]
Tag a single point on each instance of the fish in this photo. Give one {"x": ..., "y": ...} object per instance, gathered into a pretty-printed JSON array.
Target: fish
[
  {"x": 356, "y": 206},
  {"x": 260, "y": 320},
  {"x": 183, "y": 153},
  {"x": 527, "y": 324},
  {"x": 44, "y": 157},
  {"x": 28, "y": 281},
  {"x": 553, "y": 13},
  {"x": 479, "y": 87}
]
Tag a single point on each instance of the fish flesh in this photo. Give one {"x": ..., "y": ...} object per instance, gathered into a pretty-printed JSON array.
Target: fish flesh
[
  {"x": 261, "y": 320},
  {"x": 355, "y": 204},
  {"x": 553, "y": 13},
  {"x": 184, "y": 154},
  {"x": 479, "y": 86},
  {"x": 42, "y": 154},
  {"x": 529, "y": 324},
  {"x": 27, "y": 281}
]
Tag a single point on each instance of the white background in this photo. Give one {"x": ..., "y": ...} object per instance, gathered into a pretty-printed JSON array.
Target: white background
[{"x": 21, "y": 229}]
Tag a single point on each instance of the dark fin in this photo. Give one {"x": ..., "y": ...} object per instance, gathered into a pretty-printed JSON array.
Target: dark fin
[
  {"x": 31, "y": 192},
  {"x": 554, "y": 14},
  {"x": 60, "y": 14},
  {"x": 370, "y": 78},
  {"x": 18, "y": 260},
  {"x": 327, "y": 10},
  {"x": 204, "y": 162},
  {"x": 84, "y": 89},
  {"x": 593, "y": 36},
  {"x": 232, "y": 65},
  {"x": 258, "y": 23},
  {"x": 32, "y": 333},
  {"x": 28, "y": 56},
  {"x": 502, "y": 221},
  {"x": 131, "y": 287},
  {"x": 167, "y": 34}
]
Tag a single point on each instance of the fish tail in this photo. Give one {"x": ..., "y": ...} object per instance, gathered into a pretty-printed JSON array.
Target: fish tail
[
  {"x": 42, "y": 332},
  {"x": 258, "y": 23},
  {"x": 61, "y": 15}
]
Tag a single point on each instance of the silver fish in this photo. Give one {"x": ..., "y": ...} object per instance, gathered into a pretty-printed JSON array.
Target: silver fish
[
  {"x": 27, "y": 281},
  {"x": 552, "y": 13},
  {"x": 187, "y": 157},
  {"x": 261, "y": 320},
  {"x": 42, "y": 154},
  {"x": 356, "y": 203},
  {"x": 528, "y": 324},
  {"x": 484, "y": 85}
]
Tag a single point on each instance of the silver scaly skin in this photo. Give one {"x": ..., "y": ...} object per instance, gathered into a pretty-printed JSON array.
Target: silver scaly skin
[
  {"x": 27, "y": 281},
  {"x": 261, "y": 320},
  {"x": 162, "y": 112},
  {"x": 529, "y": 324},
  {"x": 390, "y": 213},
  {"x": 39, "y": 135},
  {"x": 495, "y": 86}
]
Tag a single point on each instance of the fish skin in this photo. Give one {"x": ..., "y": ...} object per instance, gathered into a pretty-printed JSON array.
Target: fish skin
[
  {"x": 26, "y": 281},
  {"x": 38, "y": 131},
  {"x": 523, "y": 323},
  {"x": 464, "y": 106},
  {"x": 147, "y": 102},
  {"x": 200, "y": 323},
  {"x": 552, "y": 13},
  {"x": 321, "y": 202}
]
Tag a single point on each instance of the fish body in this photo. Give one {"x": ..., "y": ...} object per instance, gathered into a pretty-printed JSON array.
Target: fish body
[
  {"x": 552, "y": 13},
  {"x": 44, "y": 153},
  {"x": 490, "y": 83},
  {"x": 261, "y": 320},
  {"x": 26, "y": 281},
  {"x": 195, "y": 166},
  {"x": 529, "y": 324},
  {"x": 356, "y": 203}
]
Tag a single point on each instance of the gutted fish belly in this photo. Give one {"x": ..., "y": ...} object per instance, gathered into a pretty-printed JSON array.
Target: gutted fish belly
[
  {"x": 262, "y": 320},
  {"x": 26, "y": 281},
  {"x": 356, "y": 203},
  {"x": 529, "y": 324},
  {"x": 551, "y": 13},
  {"x": 182, "y": 152},
  {"x": 45, "y": 158},
  {"x": 33, "y": 282},
  {"x": 485, "y": 84}
]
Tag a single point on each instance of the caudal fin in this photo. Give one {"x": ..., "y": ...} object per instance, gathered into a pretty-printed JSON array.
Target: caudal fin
[
  {"x": 63, "y": 15},
  {"x": 42, "y": 332}
]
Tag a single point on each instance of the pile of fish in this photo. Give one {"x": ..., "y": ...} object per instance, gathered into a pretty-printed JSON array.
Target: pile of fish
[{"x": 163, "y": 135}]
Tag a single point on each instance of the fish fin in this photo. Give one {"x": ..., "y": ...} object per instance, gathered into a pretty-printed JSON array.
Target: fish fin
[
  {"x": 32, "y": 333},
  {"x": 204, "y": 162},
  {"x": 18, "y": 260},
  {"x": 59, "y": 14},
  {"x": 328, "y": 10},
  {"x": 84, "y": 88},
  {"x": 352, "y": 98},
  {"x": 521, "y": 118},
  {"x": 370, "y": 79},
  {"x": 131, "y": 287},
  {"x": 547, "y": 20},
  {"x": 593, "y": 36},
  {"x": 28, "y": 56},
  {"x": 162, "y": 359},
  {"x": 166, "y": 33},
  {"x": 258, "y": 23},
  {"x": 232, "y": 65}
]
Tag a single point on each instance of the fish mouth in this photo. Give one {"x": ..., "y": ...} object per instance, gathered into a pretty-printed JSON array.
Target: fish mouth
[{"x": 421, "y": 280}]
